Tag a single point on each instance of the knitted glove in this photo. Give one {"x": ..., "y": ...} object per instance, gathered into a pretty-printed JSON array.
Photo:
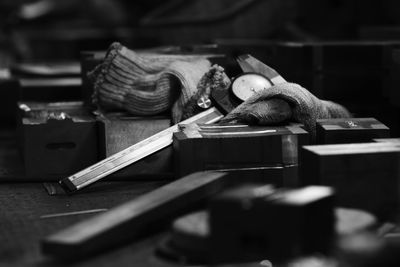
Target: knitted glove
[
  {"x": 146, "y": 84},
  {"x": 214, "y": 79},
  {"x": 287, "y": 101}
]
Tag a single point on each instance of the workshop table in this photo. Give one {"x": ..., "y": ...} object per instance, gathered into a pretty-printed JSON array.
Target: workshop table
[
  {"x": 28, "y": 213},
  {"x": 25, "y": 218}
]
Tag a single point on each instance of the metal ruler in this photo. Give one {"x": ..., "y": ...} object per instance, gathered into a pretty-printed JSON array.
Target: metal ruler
[{"x": 133, "y": 153}]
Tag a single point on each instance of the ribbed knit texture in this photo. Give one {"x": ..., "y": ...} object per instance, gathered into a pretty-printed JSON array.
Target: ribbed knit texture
[
  {"x": 146, "y": 84},
  {"x": 263, "y": 108},
  {"x": 214, "y": 79}
]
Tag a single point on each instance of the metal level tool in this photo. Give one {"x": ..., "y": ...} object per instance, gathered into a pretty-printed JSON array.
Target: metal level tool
[
  {"x": 133, "y": 153},
  {"x": 256, "y": 77}
]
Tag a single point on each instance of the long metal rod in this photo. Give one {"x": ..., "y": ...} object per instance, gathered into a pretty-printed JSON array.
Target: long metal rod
[{"x": 133, "y": 153}]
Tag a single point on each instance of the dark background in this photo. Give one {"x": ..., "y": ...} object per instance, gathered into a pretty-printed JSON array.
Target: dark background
[
  {"x": 348, "y": 50},
  {"x": 29, "y": 28}
]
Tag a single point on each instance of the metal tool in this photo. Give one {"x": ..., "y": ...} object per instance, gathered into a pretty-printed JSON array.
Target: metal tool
[
  {"x": 132, "y": 154},
  {"x": 250, "y": 64},
  {"x": 256, "y": 77},
  {"x": 72, "y": 213},
  {"x": 249, "y": 83}
]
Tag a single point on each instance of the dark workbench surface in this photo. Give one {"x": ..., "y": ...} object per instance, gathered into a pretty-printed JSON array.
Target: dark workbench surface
[
  {"x": 22, "y": 227},
  {"x": 23, "y": 205}
]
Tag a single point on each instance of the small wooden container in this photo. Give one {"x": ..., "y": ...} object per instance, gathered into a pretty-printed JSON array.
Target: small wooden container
[
  {"x": 350, "y": 130},
  {"x": 56, "y": 139},
  {"x": 233, "y": 146},
  {"x": 365, "y": 175}
]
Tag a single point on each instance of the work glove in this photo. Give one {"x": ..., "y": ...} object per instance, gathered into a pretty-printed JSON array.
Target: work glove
[{"x": 286, "y": 102}]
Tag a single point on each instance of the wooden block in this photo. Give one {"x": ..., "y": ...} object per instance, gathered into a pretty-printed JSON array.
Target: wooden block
[
  {"x": 233, "y": 146},
  {"x": 254, "y": 222},
  {"x": 118, "y": 131},
  {"x": 190, "y": 238},
  {"x": 350, "y": 130},
  {"x": 56, "y": 139},
  {"x": 365, "y": 175},
  {"x": 131, "y": 219}
]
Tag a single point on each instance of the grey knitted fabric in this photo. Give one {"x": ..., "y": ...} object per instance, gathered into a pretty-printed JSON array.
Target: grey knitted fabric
[
  {"x": 146, "y": 84},
  {"x": 214, "y": 79},
  {"x": 296, "y": 104}
]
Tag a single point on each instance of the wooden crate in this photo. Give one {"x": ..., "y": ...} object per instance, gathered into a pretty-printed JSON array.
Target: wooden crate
[
  {"x": 350, "y": 130},
  {"x": 56, "y": 139},
  {"x": 226, "y": 147},
  {"x": 365, "y": 175},
  {"x": 254, "y": 222}
]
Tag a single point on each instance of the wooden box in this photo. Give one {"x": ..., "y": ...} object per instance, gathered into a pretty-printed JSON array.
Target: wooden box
[
  {"x": 119, "y": 130},
  {"x": 254, "y": 222},
  {"x": 365, "y": 175},
  {"x": 350, "y": 130},
  {"x": 56, "y": 139},
  {"x": 234, "y": 146}
]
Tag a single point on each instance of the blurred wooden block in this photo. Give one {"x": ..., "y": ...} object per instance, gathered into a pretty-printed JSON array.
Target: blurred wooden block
[
  {"x": 134, "y": 218},
  {"x": 118, "y": 131},
  {"x": 350, "y": 130},
  {"x": 254, "y": 222},
  {"x": 190, "y": 238},
  {"x": 56, "y": 139},
  {"x": 365, "y": 175},
  {"x": 233, "y": 146}
]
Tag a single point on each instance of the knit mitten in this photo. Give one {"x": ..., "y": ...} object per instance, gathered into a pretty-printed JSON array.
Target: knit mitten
[
  {"x": 214, "y": 79},
  {"x": 145, "y": 84},
  {"x": 286, "y": 101}
]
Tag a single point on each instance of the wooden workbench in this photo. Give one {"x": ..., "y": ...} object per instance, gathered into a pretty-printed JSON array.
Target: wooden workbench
[{"x": 23, "y": 206}]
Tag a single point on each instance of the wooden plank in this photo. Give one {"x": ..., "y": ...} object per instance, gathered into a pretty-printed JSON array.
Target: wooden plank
[
  {"x": 131, "y": 219},
  {"x": 255, "y": 222}
]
